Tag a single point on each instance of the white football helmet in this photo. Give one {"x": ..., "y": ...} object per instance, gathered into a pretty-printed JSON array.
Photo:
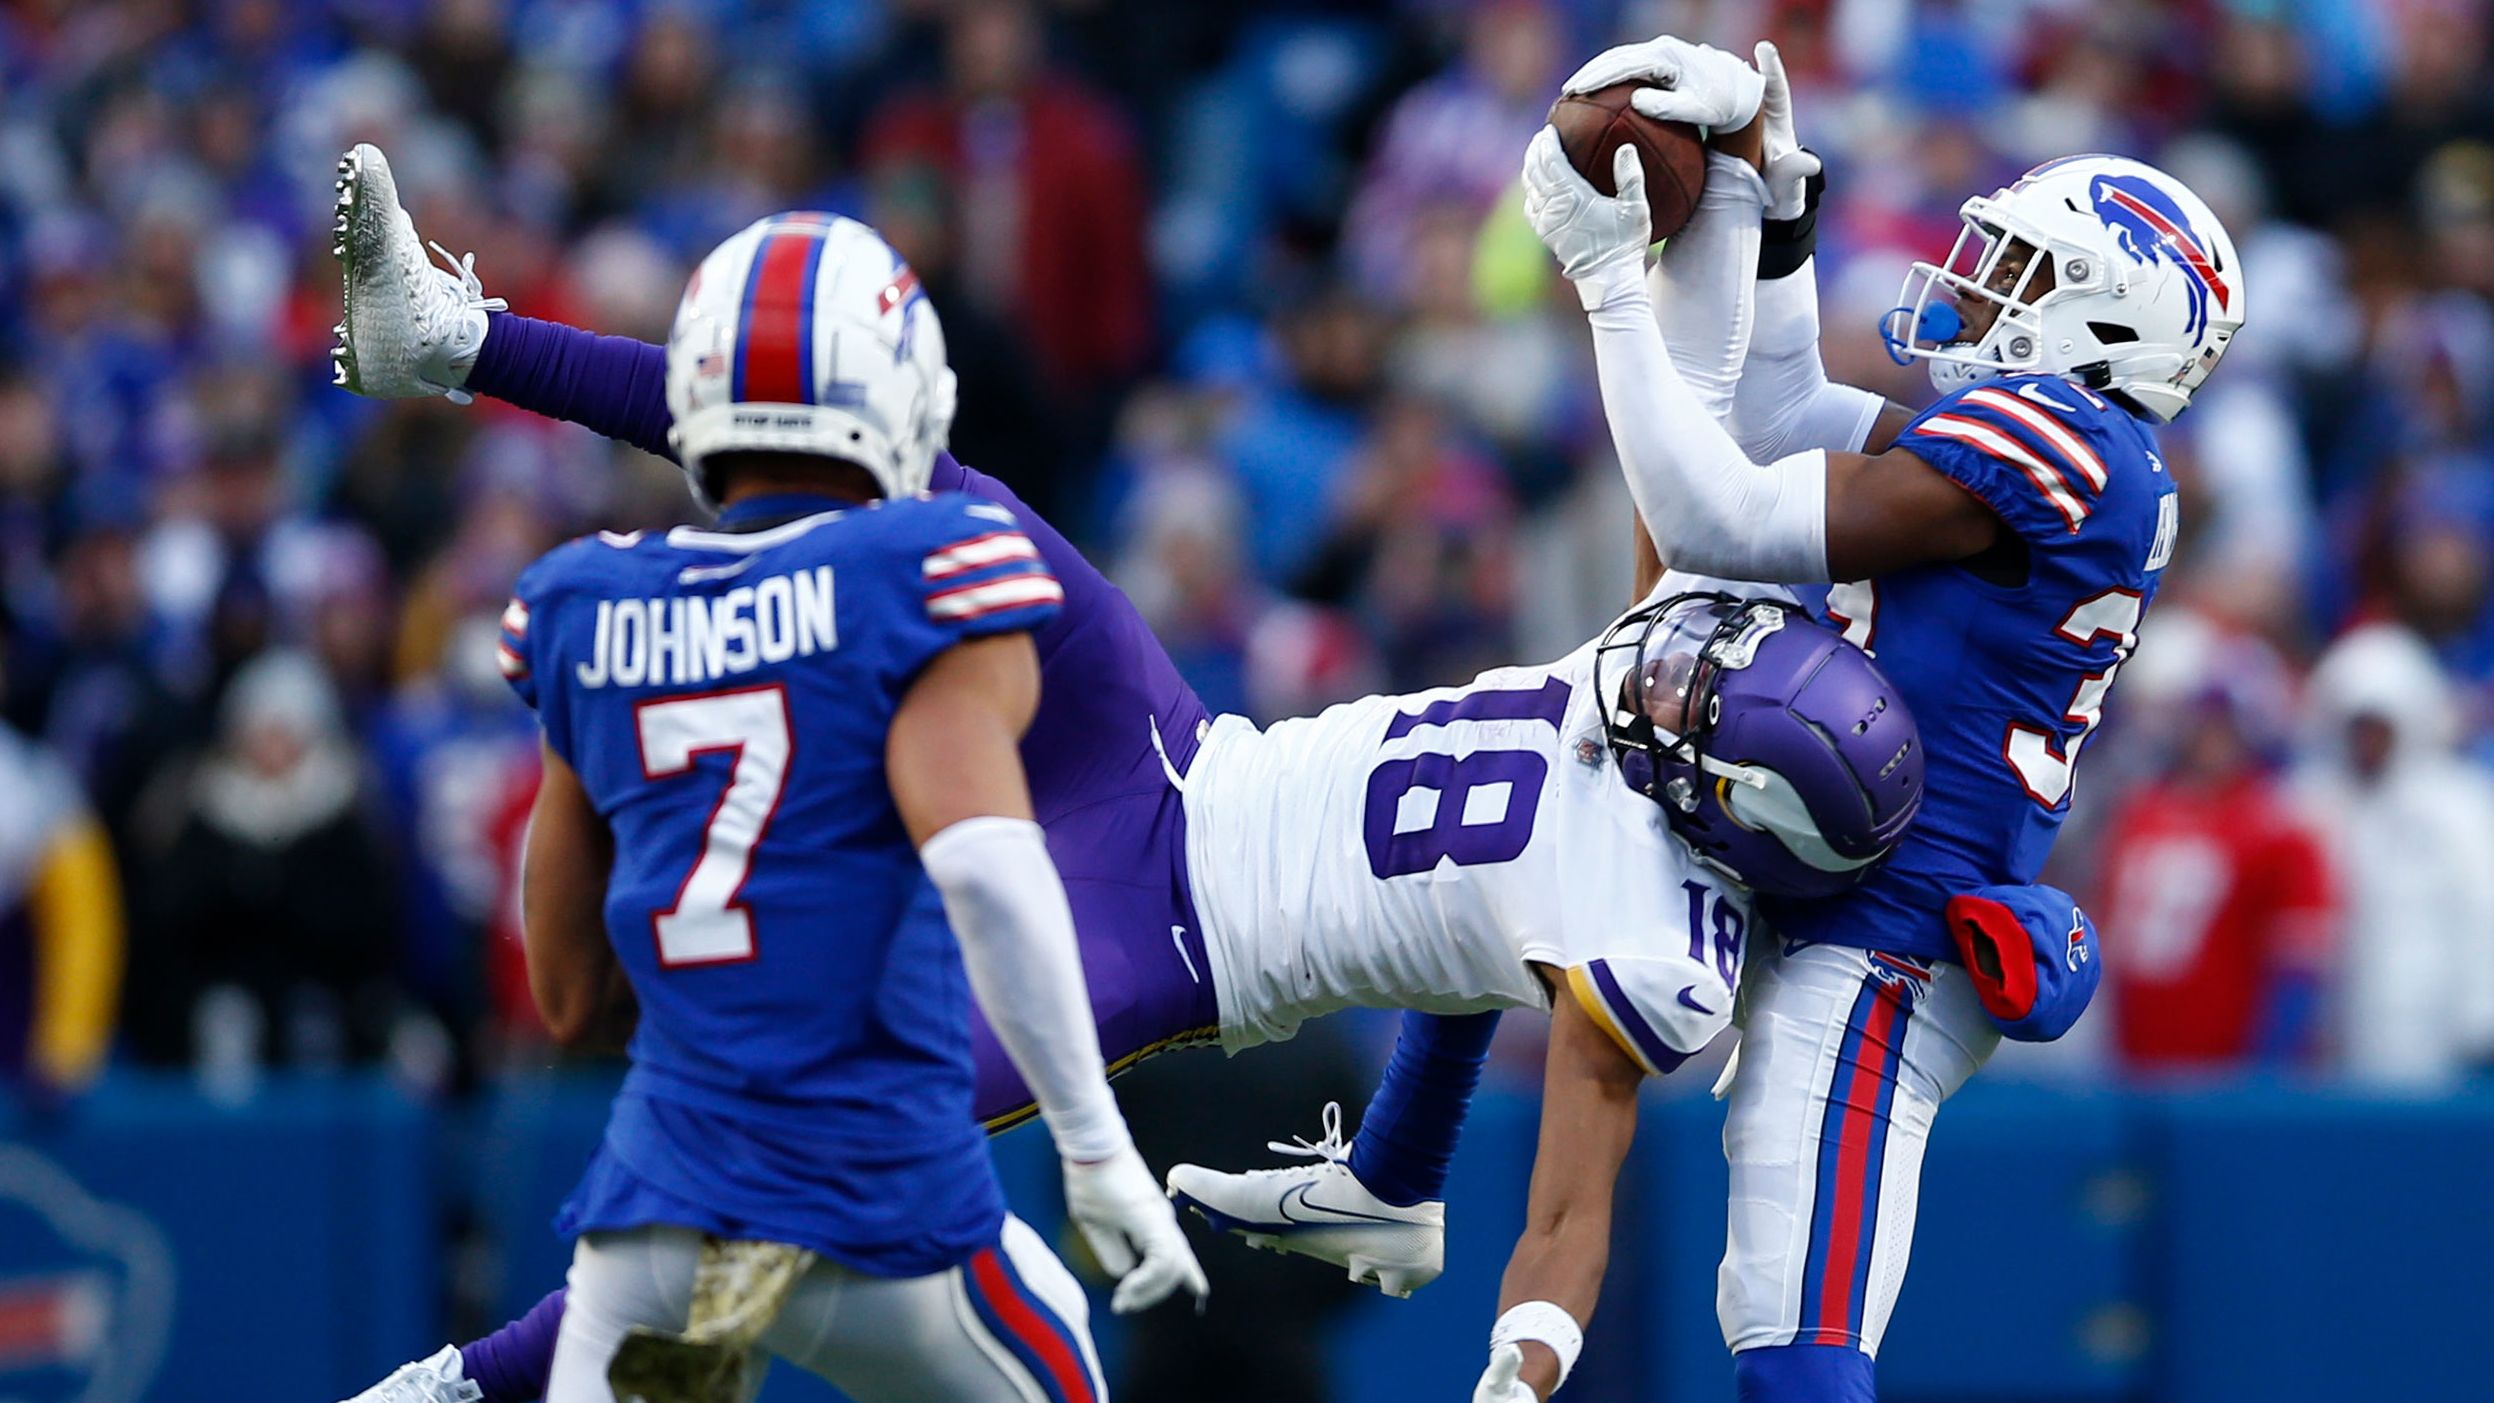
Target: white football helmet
[
  {"x": 2146, "y": 288},
  {"x": 806, "y": 333}
]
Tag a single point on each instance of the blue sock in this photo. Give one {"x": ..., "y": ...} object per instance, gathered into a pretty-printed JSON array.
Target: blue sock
[
  {"x": 513, "y": 1363},
  {"x": 1804, "y": 1374},
  {"x": 1407, "y": 1135}
]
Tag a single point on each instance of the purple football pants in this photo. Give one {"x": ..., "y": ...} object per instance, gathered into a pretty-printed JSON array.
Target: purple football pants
[{"x": 1116, "y": 825}]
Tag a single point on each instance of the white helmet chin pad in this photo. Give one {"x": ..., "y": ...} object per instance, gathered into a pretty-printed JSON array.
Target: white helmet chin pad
[
  {"x": 806, "y": 333},
  {"x": 2146, "y": 290}
]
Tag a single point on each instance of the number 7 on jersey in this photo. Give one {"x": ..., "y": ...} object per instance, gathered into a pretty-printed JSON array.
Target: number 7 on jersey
[{"x": 707, "y": 926}]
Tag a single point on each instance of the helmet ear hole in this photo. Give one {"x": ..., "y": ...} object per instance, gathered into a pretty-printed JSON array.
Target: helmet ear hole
[{"x": 2112, "y": 333}]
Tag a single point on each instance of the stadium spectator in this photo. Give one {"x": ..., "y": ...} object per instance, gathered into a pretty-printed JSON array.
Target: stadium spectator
[
  {"x": 2217, "y": 903},
  {"x": 60, "y": 924},
  {"x": 449, "y": 747},
  {"x": 1418, "y": 545},
  {"x": 1010, "y": 424},
  {"x": 1449, "y": 145},
  {"x": 268, "y": 891},
  {"x": 2412, "y": 824},
  {"x": 1048, "y": 192},
  {"x": 1294, "y": 432}
]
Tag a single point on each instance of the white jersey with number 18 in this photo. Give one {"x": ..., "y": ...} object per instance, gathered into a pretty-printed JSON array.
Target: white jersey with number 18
[{"x": 1421, "y": 851}]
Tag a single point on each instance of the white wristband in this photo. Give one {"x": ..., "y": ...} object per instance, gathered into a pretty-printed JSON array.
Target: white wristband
[{"x": 1546, "y": 1324}]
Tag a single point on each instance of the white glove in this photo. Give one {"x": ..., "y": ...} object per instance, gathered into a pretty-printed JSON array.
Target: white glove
[
  {"x": 1499, "y": 1383},
  {"x": 1586, "y": 230},
  {"x": 1124, "y": 1215},
  {"x": 1695, "y": 83},
  {"x": 1789, "y": 167}
]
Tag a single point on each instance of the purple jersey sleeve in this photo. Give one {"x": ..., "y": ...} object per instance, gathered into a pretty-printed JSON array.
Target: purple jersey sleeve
[{"x": 613, "y": 384}]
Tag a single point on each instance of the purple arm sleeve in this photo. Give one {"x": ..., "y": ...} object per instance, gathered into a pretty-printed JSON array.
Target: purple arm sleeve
[
  {"x": 612, "y": 384},
  {"x": 512, "y": 1364}
]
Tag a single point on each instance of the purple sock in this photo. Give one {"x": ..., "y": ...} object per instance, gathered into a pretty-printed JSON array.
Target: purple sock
[
  {"x": 613, "y": 384},
  {"x": 1406, "y": 1141},
  {"x": 513, "y": 1363}
]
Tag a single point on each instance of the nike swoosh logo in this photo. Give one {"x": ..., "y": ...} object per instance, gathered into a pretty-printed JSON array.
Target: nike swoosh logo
[
  {"x": 2030, "y": 392},
  {"x": 1687, "y": 1002},
  {"x": 1298, "y": 1196}
]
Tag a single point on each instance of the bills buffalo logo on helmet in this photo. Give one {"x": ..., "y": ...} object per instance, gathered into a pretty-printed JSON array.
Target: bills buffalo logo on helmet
[{"x": 2150, "y": 227}]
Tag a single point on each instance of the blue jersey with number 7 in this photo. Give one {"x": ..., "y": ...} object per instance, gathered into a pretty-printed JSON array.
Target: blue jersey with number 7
[
  {"x": 2006, "y": 680},
  {"x": 801, "y": 1071}
]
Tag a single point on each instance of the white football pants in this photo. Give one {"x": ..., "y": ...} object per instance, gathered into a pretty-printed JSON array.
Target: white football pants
[
  {"x": 1845, "y": 1056},
  {"x": 1008, "y": 1326}
]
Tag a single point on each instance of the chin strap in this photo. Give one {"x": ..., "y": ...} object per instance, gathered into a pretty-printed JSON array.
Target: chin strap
[{"x": 1734, "y": 771}]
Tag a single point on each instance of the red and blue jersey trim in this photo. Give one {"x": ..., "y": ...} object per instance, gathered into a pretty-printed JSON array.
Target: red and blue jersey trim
[
  {"x": 511, "y": 653},
  {"x": 993, "y": 581},
  {"x": 2049, "y": 451},
  {"x": 1853, "y": 1150},
  {"x": 774, "y": 353},
  {"x": 1030, "y": 1331}
]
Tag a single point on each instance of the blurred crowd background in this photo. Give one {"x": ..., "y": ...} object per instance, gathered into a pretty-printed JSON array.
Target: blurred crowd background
[{"x": 1241, "y": 298}]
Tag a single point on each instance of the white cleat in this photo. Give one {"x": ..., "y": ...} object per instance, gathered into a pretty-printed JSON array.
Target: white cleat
[
  {"x": 440, "y": 1379},
  {"x": 1322, "y": 1210},
  {"x": 412, "y": 328}
]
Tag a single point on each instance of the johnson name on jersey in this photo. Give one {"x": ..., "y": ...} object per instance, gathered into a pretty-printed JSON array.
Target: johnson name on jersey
[
  {"x": 1421, "y": 851},
  {"x": 724, "y": 697},
  {"x": 2007, "y": 680}
]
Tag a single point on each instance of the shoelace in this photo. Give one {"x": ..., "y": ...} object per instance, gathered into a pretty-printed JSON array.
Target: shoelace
[
  {"x": 465, "y": 266},
  {"x": 1331, "y": 1148},
  {"x": 472, "y": 289}
]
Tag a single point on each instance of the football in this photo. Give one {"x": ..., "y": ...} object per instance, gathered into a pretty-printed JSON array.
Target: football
[{"x": 1592, "y": 126}]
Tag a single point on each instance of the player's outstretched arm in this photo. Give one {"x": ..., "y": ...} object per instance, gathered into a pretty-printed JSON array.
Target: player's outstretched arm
[
  {"x": 1812, "y": 516},
  {"x": 613, "y": 385},
  {"x": 954, "y": 764},
  {"x": 1785, "y": 403},
  {"x": 579, "y": 986},
  {"x": 1588, "y": 1118}
]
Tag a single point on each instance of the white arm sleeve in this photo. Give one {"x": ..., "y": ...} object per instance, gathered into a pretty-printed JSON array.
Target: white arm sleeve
[
  {"x": 1701, "y": 283},
  {"x": 1007, "y": 907},
  {"x": 1784, "y": 402},
  {"x": 1709, "y": 508}
]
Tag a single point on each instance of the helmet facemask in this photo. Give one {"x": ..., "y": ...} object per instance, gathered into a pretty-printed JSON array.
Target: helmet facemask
[
  {"x": 1666, "y": 707},
  {"x": 2021, "y": 273},
  {"x": 1693, "y": 680}
]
